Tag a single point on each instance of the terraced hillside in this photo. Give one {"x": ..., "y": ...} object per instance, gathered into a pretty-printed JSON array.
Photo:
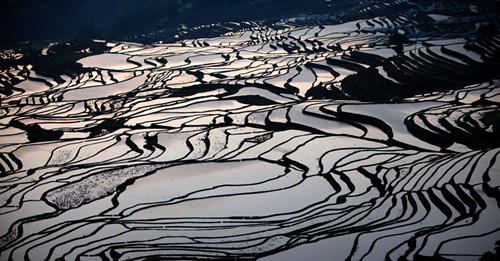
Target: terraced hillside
[{"x": 368, "y": 135}]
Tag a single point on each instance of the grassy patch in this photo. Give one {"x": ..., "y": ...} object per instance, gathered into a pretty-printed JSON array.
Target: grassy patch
[
  {"x": 493, "y": 119},
  {"x": 60, "y": 59}
]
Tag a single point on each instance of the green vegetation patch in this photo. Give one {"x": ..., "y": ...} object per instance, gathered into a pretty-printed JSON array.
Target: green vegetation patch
[
  {"x": 61, "y": 58},
  {"x": 492, "y": 119}
]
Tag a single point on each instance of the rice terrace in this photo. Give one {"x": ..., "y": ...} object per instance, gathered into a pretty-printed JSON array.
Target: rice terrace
[{"x": 331, "y": 130}]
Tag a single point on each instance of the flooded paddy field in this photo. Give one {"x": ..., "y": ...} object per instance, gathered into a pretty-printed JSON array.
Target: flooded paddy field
[{"x": 329, "y": 137}]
